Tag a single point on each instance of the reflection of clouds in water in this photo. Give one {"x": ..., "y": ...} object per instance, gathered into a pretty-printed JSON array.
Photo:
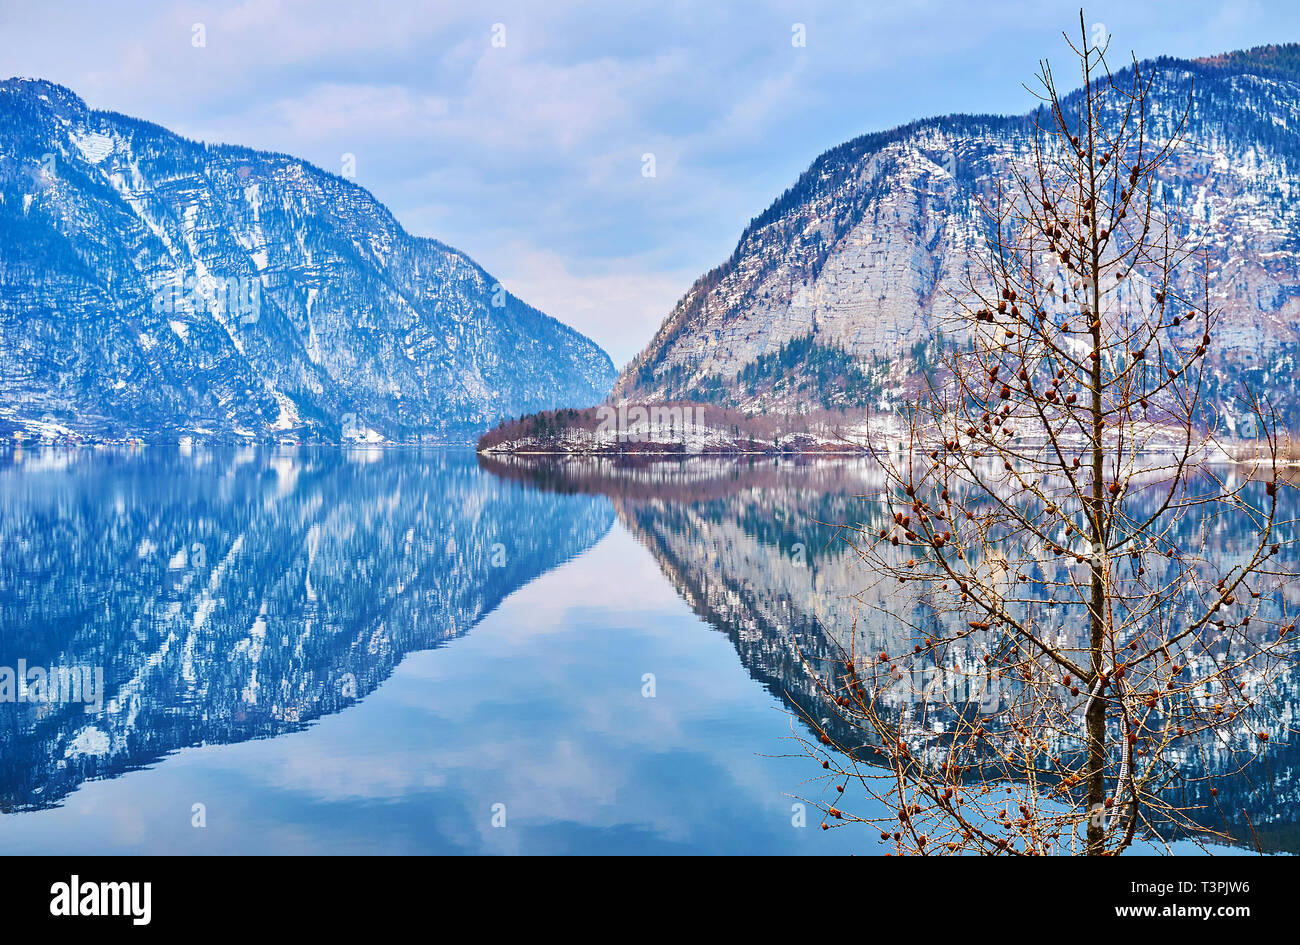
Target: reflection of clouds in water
[
  {"x": 618, "y": 575},
  {"x": 565, "y": 728},
  {"x": 384, "y": 771},
  {"x": 551, "y": 723}
]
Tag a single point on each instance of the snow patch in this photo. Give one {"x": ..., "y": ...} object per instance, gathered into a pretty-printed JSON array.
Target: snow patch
[
  {"x": 90, "y": 742},
  {"x": 93, "y": 145}
]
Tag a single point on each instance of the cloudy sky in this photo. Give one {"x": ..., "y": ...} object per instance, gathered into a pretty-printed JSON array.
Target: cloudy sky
[{"x": 518, "y": 132}]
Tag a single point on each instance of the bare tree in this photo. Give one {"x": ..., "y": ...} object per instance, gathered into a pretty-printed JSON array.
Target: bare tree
[{"x": 1050, "y": 535}]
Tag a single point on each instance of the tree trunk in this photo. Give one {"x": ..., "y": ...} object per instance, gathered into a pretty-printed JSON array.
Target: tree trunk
[{"x": 1096, "y": 720}]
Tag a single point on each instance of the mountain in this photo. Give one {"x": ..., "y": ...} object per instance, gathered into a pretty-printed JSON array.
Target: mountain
[
  {"x": 834, "y": 294},
  {"x": 154, "y": 286}
]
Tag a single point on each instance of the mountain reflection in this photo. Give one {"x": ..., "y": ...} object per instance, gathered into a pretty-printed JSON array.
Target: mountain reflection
[
  {"x": 760, "y": 549},
  {"x": 234, "y": 595},
  {"x": 231, "y": 595}
]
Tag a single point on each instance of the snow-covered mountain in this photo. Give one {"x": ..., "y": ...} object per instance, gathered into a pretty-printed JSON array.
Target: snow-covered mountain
[
  {"x": 159, "y": 287},
  {"x": 833, "y": 294}
]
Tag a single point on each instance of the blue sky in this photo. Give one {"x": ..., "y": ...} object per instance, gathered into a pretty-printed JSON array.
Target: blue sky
[{"x": 527, "y": 152}]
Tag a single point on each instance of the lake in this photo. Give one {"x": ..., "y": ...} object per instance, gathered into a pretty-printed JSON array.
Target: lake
[{"x": 316, "y": 650}]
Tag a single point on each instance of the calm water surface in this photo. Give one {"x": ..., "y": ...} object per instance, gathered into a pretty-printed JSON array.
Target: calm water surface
[{"x": 391, "y": 651}]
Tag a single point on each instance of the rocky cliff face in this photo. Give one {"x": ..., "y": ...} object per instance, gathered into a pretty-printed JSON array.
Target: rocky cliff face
[
  {"x": 858, "y": 258},
  {"x": 159, "y": 287}
]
